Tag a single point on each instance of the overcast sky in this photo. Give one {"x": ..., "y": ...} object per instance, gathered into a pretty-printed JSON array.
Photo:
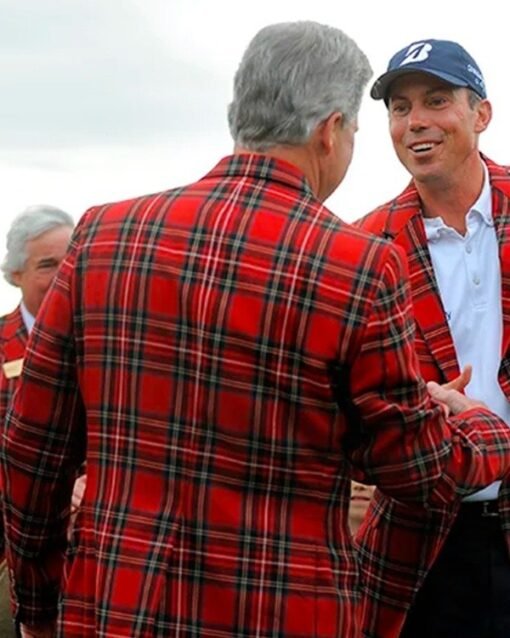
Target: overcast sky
[{"x": 107, "y": 99}]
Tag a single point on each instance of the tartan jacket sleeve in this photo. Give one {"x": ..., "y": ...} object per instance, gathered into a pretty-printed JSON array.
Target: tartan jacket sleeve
[
  {"x": 49, "y": 394},
  {"x": 406, "y": 447}
]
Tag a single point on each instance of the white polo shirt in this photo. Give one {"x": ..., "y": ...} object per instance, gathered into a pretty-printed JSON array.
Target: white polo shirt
[{"x": 468, "y": 274}]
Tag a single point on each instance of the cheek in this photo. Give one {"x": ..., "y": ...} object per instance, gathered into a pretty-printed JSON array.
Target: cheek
[
  {"x": 43, "y": 282},
  {"x": 348, "y": 151},
  {"x": 397, "y": 129},
  {"x": 343, "y": 165},
  {"x": 397, "y": 135}
]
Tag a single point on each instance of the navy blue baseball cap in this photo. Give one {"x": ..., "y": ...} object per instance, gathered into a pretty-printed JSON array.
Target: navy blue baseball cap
[{"x": 443, "y": 59}]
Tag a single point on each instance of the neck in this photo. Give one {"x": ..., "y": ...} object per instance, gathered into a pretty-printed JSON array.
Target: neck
[
  {"x": 452, "y": 197},
  {"x": 303, "y": 157}
]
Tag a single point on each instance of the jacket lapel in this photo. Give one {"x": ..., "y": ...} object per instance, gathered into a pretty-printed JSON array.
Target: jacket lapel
[{"x": 405, "y": 227}]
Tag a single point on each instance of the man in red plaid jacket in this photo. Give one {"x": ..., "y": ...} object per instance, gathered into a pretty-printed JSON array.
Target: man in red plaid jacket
[
  {"x": 449, "y": 565},
  {"x": 227, "y": 356}
]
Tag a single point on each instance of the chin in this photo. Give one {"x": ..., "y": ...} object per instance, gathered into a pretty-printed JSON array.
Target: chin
[{"x": 425, "y": 177}]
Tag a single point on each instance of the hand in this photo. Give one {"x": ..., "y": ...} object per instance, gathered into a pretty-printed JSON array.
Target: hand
[
  {"x": 452, "y": 400},
  {"x": 47, "y": 630},
  {"x": 361, "y": 496}
]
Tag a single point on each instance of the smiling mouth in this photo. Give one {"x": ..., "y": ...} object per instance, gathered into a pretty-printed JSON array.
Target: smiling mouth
[{"x": 422, "y": 147}]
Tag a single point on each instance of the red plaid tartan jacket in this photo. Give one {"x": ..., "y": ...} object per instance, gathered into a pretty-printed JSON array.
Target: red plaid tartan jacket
[
  {"x": 13, "y": 341},
  {"x": 398, "y": 543},
  {"x": 226, "y": 356}
]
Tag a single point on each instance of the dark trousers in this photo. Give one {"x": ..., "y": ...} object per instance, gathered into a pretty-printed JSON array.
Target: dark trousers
[{"x": 467, "y": 592}]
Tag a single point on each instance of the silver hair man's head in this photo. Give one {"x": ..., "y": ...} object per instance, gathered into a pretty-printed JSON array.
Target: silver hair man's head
[
  {"x": 293, "y": 76},
  {"x": 29, "y": 224}
]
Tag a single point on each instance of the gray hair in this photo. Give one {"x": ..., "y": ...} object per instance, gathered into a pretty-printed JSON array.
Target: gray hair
[
  {"x": 29, "y": 224},
  {"x": 292, "y": 76},
  {"x": 473, "y": 99}
]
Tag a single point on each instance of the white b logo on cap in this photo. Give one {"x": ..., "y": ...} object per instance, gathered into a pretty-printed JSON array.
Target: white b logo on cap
[{"x": 417, "y": 53}]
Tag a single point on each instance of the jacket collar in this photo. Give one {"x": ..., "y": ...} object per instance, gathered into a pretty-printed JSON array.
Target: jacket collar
[{"x": 262, "y": 167}]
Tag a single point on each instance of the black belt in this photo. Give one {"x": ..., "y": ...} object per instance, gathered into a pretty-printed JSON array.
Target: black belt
[{"x": 479, "y": 509}]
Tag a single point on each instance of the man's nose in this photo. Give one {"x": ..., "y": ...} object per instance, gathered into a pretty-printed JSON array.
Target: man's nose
[{"x": 418, "y": 117}]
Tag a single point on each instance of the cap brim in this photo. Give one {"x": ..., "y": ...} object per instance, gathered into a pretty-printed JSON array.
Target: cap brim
[{"x": 379, "y": 90}]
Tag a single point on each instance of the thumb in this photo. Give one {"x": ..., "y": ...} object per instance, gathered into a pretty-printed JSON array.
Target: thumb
[
  {"x": 439, "y": 394},
  {"x": 460, "y": 382}
]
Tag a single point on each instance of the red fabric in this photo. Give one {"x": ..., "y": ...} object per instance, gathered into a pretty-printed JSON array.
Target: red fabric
[
  {"x": 232, "y": 354},
  {"x": 398, "y": 544},
  {"x": 13, "y": 340}
]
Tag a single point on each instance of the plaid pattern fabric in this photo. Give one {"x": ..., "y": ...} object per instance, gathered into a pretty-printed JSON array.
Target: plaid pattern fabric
[
  {"x": 226, "y": 356},
  {"x": 13, "y": 341},
  {"x": 398, "y": 544}
]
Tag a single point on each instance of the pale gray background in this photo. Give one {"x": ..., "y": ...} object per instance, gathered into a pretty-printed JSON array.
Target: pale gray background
[{"x": 106, "y": 99}]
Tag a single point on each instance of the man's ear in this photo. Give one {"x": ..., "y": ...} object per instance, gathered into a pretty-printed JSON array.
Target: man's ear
[
  {"x": 329, "y": 130},
  {"x": 484, "y": 115}
]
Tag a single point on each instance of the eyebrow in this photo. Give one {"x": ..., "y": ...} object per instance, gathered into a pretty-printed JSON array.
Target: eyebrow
[{"x": 435, "y": 89}]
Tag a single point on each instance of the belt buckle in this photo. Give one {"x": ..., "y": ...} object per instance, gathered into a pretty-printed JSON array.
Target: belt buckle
[{"x": 486, "y": 513}]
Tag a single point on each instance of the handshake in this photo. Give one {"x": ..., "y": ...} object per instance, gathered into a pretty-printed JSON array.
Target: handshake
[{"x": 450, "y": 396}]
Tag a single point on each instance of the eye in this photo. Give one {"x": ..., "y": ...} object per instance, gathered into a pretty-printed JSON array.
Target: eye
[
  {"x": 437, "y": 100},
  {"x": 399, "y": 108},
  {"x": 47, "y": 265}
]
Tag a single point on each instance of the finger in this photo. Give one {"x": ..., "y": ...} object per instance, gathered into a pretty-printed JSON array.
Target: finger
[
  {"x": 460, "y": 382},
  {"x": 438, "y": 392},
  {"x": 433, "y": 389}
]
